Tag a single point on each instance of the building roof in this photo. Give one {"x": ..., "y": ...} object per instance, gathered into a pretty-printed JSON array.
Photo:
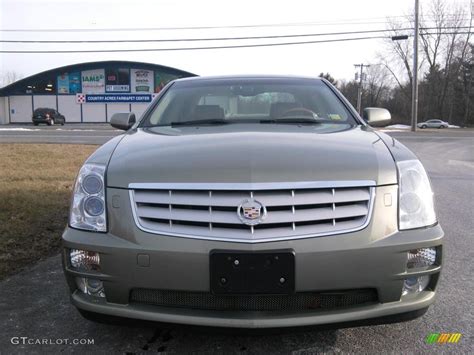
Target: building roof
[{"x": 11, "y": 88}]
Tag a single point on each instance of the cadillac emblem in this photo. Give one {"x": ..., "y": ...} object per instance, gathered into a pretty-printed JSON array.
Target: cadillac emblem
[{"x": 251, "y": 212}]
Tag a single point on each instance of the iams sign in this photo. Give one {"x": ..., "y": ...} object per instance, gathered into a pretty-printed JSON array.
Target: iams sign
[{"x": 93, "y": 78}]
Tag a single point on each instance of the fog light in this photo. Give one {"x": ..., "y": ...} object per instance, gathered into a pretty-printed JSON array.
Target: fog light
[
  {"x": 91, "y": 287},
  {"x": 415, "y": 284},
  {"x": 85, "y": 260},
  {"x": 421, "y": 258}
]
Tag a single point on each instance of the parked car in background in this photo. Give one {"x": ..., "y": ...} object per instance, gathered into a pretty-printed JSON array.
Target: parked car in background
[
  {"x": 47, "y": 115},
  {"x": 433, "y": 124}
]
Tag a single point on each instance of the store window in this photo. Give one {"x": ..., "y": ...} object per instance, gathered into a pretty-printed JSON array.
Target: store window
[{"x": 117, "y": 80}]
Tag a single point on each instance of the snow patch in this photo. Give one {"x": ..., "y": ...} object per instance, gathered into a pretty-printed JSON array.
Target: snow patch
[
  {"x": 398, "y": 126},
  {"x": 20, "y": 129}
]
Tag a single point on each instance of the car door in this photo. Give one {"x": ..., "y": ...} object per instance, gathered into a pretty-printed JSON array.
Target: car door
[{"x": 57, "y": 117}]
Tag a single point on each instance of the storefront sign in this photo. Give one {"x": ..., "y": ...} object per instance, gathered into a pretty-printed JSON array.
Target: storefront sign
[
  {"x": 117, "y": 88},
  {"x": 74, "y": 82},
  {"x": 63, "y": 83},
  {"x": 117, "y": 80},
  {"x": 142, "y": 80},
  {"x": 107, "y": 98},
  {"x": 93, "y": 81}
]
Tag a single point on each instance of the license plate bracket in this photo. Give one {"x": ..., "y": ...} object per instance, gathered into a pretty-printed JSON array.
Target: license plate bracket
[{"x": 241, "y": 272}]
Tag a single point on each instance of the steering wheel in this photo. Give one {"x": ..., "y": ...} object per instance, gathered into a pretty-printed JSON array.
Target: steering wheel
[{"x": 305, "y": 111}]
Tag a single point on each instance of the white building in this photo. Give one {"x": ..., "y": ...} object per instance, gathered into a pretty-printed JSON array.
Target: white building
[{"x": 86, "y": 92}]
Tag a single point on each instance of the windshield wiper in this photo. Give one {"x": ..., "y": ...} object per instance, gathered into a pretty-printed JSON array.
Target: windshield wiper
[
  {"x": 292, "y": 120},
  {"x": 216, "y": 121}
]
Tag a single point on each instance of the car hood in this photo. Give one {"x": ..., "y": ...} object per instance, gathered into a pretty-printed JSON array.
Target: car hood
[{"x": 242, "y": 154}]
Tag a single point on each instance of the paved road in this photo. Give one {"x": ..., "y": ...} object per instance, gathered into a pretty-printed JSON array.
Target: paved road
[
  {"x": 69, "y": 133},
  {"x": 34, "y": 303}
]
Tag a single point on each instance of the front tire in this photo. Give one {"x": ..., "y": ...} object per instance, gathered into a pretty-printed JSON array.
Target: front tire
[{"x": 424, "y": 126}]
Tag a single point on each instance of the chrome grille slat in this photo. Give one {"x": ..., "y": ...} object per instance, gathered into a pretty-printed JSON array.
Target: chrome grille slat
[
  {"x": 315, "y": 214},
  {"x": 246, "y": 235},
  {"x": 177, "y": 214},
  {"x": 291, "y": 212},
  {"x": 218, "y": 199}
]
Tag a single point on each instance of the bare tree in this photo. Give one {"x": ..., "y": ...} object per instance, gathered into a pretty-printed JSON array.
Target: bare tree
[
  {"x": 431, "y": 35},
  {"x": 377, "y": 85},
  {"x": 400, "y": 54},
  {"x": 9, "y": 77},
  {"x": 444, "y": 40}
]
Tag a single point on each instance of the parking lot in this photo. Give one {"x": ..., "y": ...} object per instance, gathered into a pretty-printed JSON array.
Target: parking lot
[
  {"x": 69, "y": 133},
  {"x": 35, "y": 303}
]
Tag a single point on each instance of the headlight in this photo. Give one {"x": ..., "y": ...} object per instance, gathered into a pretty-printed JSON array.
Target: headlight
[
  {"x": 416, "y": 198},
  {"x": 88, "y": 201}
]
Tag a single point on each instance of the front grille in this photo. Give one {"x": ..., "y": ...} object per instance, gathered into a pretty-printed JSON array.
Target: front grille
[
  {"x": 291, "y": 212},
  {"x": 303, "y": 301}
]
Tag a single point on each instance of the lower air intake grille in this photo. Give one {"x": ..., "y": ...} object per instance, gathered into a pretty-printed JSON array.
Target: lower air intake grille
[{"x": 296, "y": 302}]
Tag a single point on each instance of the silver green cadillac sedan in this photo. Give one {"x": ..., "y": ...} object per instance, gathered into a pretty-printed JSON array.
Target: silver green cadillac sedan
[{"x": 257, "y": 201}]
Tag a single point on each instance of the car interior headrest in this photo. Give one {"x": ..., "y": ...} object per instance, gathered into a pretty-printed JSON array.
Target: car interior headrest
[{"x": 204, "y": 112}]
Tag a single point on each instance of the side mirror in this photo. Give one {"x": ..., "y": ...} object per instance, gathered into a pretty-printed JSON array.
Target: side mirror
[
  {"x": 123, "y": 121},
  {"x": 377, "y": 117}
]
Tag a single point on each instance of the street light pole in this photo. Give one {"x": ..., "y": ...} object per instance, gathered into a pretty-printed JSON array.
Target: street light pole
[{"x": 414, "y": 90}]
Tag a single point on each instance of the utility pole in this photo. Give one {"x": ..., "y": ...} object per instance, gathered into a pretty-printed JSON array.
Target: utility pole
[
  {"x": 414, "y": 90},
  {"x": 359, "y": 90}
]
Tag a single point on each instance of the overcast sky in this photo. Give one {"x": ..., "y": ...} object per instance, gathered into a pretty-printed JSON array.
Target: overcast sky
[{"x": 326, "y": 16}]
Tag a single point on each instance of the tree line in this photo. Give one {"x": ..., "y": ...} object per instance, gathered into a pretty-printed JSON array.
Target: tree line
[{"x": 446, "y": 72}]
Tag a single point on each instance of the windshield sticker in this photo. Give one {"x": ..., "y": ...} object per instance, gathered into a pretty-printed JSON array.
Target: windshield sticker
[{"x": 334, "y": 116}]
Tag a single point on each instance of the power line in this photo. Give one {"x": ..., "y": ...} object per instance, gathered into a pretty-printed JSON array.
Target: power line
[
  {"x": 210, "y": 47},
  {"x": 227, "y": 38},
  {"x": 205, "y": 39},
  {"x": 194, "y": 48},
  {"x": 355, "y": 21},
  {"x": 129, "y": 29}
]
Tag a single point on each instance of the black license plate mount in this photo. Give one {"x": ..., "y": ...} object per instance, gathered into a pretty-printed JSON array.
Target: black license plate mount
[{"x": 236, "y": 272}]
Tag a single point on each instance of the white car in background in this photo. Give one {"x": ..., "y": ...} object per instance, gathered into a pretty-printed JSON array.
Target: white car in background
[{"x": 433, "y": 124}]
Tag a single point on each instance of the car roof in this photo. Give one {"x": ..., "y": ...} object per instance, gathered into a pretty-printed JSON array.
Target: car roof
[{"x": 249, "y": 77}]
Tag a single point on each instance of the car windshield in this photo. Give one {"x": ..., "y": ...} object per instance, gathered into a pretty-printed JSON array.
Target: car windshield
[{"x": 213, "y": 102}]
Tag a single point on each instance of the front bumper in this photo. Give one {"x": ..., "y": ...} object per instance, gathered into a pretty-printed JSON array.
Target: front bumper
[
  {"x": 343, "y": 262},
  {"x": 252, "y": 319}
]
